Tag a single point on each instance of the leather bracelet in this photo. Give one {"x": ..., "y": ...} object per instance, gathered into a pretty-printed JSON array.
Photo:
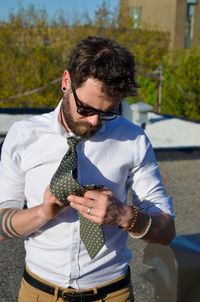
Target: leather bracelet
[
  {"x": 134, "y": 220},
  {"x": 146, "y": 230}
]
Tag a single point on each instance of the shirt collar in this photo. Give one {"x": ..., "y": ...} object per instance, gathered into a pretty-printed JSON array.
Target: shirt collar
[{"x": 55, "y": 124}]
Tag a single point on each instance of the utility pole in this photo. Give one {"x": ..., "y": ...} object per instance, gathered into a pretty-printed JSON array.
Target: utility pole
[{"x": 159, "y": 90}]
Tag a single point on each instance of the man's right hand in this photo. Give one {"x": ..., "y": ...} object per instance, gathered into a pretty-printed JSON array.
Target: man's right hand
[
  {"x": 16, "y": 223},
  {"x": 51, "y": 206}
]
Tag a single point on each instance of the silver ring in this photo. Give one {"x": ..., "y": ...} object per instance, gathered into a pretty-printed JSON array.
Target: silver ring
[{"x": 88, "y": 211}]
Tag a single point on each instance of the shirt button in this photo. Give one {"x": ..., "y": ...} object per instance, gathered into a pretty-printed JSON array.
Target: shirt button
[
  {"x": 75, "y": 230},
  {"x": 73, "y": 258}
]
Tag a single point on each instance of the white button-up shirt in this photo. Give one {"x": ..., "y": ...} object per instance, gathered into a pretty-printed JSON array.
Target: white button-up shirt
[{"x": 119, "y": 156}]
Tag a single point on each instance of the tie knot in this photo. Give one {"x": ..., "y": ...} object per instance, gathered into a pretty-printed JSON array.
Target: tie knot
[{"x": 73, "y": 141}]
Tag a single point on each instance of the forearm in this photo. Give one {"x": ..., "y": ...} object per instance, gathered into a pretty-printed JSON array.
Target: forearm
[
  {"x": 161, "y": 230},
  {"x": 17, "y": 223}
]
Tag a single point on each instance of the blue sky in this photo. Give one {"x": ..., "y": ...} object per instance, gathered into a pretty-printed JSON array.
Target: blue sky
[{"x": 69, "y": 7}]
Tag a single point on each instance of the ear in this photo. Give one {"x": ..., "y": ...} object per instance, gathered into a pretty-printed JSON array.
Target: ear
[{"x": 66, "y": 80}]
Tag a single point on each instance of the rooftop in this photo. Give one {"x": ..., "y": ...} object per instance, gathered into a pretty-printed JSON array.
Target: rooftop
[
  {"x": 169, "y": 131},
  {"x": 164, "y": 131}
]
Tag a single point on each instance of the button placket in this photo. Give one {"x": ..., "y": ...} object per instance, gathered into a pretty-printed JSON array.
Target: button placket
[{"x": 75, "y": 252}]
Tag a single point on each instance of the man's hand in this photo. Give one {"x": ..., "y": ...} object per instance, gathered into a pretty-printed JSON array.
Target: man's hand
[
  {"x": 105, "y": 208},
  {"x": 51, "y": 206}
]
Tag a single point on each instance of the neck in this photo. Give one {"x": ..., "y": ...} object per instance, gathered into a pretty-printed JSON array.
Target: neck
[{"x": 62, "y": 121}]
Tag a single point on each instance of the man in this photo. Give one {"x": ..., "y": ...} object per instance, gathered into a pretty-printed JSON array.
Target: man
[{"x": 114, "y": 153}]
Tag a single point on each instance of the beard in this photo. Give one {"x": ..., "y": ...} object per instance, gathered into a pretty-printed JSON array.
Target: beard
[{"x": 82, "y": 129}]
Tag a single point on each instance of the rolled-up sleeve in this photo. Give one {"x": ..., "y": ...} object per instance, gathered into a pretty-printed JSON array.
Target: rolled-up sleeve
[
  {"x": 145, "y": 182},
  {"x": 11, "y": 176}
]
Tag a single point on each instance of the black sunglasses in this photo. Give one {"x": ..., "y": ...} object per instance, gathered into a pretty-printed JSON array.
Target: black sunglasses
[{"x": 89, "y": 111}]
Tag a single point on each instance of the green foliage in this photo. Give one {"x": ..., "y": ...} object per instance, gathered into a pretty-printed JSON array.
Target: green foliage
[
  {"x": 181, "y": 89},
  {"x": 148, "y": 90},
  {"x": 180, "y": 85},
  {"x": 35, "y": 50},
  {"x": 32, "y": 54}
]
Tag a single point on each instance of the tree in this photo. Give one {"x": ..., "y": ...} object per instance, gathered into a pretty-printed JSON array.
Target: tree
[
  {"x": 35, "y": 50},
  {"x": 181, "y": 89},
  {"x": 32, "y": 54}
]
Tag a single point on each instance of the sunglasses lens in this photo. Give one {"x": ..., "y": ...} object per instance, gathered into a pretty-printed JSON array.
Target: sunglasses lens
[
  {"x": 86, "y": 111},
  {"x": 103, "y": 116},
  {"x": 108, "y": 117}
]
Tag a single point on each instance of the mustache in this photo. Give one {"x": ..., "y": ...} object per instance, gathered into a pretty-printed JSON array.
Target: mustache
[{"x": 91, "y": 127}]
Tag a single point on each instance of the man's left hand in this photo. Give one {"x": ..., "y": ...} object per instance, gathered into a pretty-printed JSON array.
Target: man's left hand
[{"x": 104, "y": 207}]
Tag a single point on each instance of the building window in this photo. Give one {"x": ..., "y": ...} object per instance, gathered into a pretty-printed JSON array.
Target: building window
[
  {"x": 137, "y": 16},
  {"x": 190, "y": 22}
]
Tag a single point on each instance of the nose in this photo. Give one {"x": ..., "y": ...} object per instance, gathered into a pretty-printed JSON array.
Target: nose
[{"x": 93, "y": 119}]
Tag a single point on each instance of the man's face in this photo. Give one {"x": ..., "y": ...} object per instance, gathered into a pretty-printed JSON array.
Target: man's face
[{"x": 89, "y": 94}]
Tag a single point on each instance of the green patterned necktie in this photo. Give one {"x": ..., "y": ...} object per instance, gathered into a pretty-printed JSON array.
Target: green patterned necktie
[{"x": 63, "y": 183}]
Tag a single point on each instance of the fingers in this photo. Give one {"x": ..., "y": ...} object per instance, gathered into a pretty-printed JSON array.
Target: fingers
[
  {"x": 93, "y": 199},
  {"x": 96, "y": 201},
  {"x": 51, "y": 198},
  {"x": 96, "y": 194},
  {"x": 85, "y": 207},
  {"x": 82, "y": 204}
]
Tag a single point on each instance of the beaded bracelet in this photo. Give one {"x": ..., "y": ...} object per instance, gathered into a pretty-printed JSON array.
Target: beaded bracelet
[
  {"x": 146, "y": 230},
  {"x": 134, "y": 220}
]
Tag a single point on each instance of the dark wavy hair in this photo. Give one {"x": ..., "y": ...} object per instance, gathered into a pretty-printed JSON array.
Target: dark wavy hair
[{"x": 105, "y": 60}]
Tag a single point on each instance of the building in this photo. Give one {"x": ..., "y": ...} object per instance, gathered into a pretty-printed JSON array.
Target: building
[{"x": 180, "y": 18}]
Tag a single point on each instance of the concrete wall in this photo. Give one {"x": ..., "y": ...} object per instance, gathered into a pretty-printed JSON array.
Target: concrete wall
[{"x": 180, "y": 24}]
